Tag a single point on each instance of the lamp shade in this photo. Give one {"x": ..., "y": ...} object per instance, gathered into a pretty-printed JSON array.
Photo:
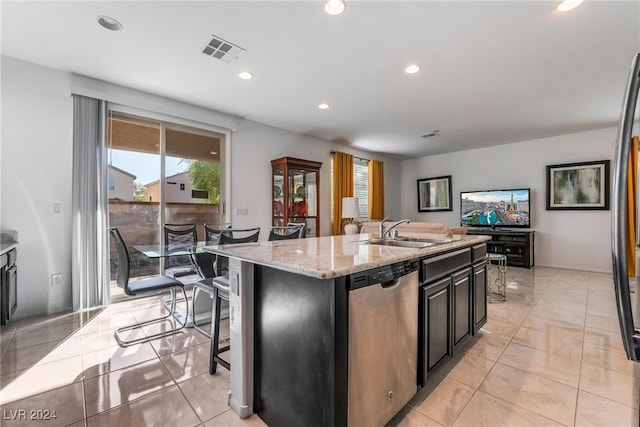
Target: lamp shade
[{"x": 350, "y": 207}]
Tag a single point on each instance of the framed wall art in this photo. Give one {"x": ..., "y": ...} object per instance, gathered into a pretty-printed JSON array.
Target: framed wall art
[
  {"x": 578, "y": 186},
  {"x": 434, "y": 194}
]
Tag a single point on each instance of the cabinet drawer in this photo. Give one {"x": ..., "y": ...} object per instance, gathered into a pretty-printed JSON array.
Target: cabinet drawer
[
  {"x": 12, "y": 257},
  {"x": 514, "y": 250},
  {"x": 478, "y": 252},
  {"x": 438, "y": 266},
  {"x": 512, "y": 238}
]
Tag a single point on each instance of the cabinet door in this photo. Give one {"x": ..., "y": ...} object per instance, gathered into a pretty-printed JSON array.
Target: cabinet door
[
  {"x": 479, "y": 296},
  {"x": 278, "y": 204},
  {"x": 435, "y": 325},
  {"x": 296, "y": 193},
  {"x": 12, "y": 288},
  {"x": 461, "y": 285}
]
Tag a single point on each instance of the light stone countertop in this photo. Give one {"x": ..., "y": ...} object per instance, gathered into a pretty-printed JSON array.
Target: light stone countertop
[
  {"x": 6, "y": 247},
  {"x": 333, "y": 256}
]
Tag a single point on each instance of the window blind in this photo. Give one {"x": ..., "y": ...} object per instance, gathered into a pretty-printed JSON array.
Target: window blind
[{"x": 361, "y": 185}]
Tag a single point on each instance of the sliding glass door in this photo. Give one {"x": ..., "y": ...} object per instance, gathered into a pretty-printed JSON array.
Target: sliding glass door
[{"x": 160, "y": 173}]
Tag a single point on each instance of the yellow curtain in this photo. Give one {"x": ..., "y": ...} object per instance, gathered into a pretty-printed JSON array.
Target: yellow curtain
[
  {"x": 632, "y": 202},
  {"x": 376, "y": 189},
  {"x": 342, "y": 186}
]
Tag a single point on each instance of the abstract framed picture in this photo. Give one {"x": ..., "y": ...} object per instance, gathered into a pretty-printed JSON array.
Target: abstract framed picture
[
  {"x": 578, "y": 186},
  {"x": 434, "y": 194}
]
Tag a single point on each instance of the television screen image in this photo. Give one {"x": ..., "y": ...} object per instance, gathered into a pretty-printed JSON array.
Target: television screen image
[{"x": 495, "y": 208}]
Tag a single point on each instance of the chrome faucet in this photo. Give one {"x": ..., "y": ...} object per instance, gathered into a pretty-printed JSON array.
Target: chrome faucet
[{"x": 384, "y": 232}]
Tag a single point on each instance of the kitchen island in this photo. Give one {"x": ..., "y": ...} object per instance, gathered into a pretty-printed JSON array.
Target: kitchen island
[
  {"x": 291, "y": 324},
  {"x": 8, "y": 278}
]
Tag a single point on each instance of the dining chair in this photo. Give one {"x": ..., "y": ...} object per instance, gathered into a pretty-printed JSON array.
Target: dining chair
[
  {"x": 302, "y": 225},
  {"x": 212, "y": 232},
  {"x": 234, "y": 236},
  {"x": 218, "y": 289},
  {"x": 180, "y": 238},
  {"x": 147, "y": 285},
  {"x": 205, "y": 262},
  {"x": 285, "y": 233}
]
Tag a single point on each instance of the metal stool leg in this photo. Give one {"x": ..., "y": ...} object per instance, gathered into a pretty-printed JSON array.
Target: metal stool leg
[
  {"x": 215, "y": 331},
  {"x": 215, "y": 335},
  {"x": 500, "y": 281}
]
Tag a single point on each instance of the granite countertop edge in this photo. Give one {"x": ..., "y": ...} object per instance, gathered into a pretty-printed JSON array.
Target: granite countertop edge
[
  {"x": 333, "y": 256},
  {"x": 6, "y": 247}
]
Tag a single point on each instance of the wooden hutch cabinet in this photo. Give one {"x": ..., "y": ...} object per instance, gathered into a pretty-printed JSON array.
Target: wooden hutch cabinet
[{"x": 296, "y": 193}]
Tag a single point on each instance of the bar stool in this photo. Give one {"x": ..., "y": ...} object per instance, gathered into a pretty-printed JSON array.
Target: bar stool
[
  {"x": 218, "y": 288},
  {"x": 500, "y": 282}
]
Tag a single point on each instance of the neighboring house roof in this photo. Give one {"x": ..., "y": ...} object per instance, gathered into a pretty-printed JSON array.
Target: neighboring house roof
[
  {"x": 122, "y": 171},
  {"x": 171, "y": 176}
]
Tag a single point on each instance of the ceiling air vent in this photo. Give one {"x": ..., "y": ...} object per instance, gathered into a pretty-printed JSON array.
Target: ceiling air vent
[
  {"x": 432, "y": 134},
  {"x": 222, "y": 49}
]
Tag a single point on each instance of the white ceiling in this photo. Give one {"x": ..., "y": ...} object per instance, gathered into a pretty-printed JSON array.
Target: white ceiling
[{"x": 492, "y": 72}]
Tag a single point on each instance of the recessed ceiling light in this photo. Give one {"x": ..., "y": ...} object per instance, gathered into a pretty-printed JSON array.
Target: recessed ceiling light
[
  {"x": 568, "y": 5},
  {"x": 109, "y": 23},
  {"x": 334, "y": 7},
  {"x": 432, "y": 134},
  {"x": 412, "y": 69},
  {"x": 323, "y": 106},
  {"x": 245, "y": 75},
  {"x": 213, "y": 152}
]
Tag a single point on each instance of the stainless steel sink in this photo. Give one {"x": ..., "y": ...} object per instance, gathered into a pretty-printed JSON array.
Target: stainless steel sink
[{"x": 408, "y": 242}]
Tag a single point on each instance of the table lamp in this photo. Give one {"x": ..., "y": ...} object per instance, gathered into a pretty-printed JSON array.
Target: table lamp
[{"x": 351, "y": 210}]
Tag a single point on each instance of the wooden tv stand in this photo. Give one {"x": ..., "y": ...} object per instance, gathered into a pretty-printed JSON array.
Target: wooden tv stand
[{"x": 517, "y": 245}]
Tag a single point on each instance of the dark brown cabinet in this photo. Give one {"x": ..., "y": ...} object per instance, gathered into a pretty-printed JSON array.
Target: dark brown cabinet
[
  {"x": 462, "y": 307},
  {"x": 479, "y": 295},
  {"x": 518, "y": 246},
  {"x": 435, "y": 322},
  {"x": 296, "y": 193},
  {"x": 452, "y": 306},
  {"x": 8, "y": 285}
]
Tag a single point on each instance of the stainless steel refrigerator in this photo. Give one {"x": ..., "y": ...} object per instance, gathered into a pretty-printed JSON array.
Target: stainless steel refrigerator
[{"x": 627, "y": 302}]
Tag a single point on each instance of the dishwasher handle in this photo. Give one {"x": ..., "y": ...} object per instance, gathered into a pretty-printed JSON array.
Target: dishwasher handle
[{"x": 390, "y": 284}]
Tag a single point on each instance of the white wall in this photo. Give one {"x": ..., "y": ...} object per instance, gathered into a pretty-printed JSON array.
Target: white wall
[
  {"x": 36, "y": 172},
  {"x": 255, "y": 145},
  {"x": 568, "y": 239}
]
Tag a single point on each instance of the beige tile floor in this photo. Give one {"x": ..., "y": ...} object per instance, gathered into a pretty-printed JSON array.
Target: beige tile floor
[{"x": 550, "y": 355}]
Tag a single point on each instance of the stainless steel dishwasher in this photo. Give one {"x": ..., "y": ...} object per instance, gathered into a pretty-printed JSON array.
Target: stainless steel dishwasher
[{"x": 383, "y": 342}]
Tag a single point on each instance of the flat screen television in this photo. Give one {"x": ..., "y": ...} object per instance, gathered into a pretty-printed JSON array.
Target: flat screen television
[{"x": 496, "y": 208}]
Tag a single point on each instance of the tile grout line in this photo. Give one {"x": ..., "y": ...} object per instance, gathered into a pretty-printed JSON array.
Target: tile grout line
[
  {"x": 544, "y": 378},
  {"x": 495, "y": 362},
  {"x": 584, "y": 326},
  {"x": 636, "y": 379},
  {"x": 84, "y": 404}
]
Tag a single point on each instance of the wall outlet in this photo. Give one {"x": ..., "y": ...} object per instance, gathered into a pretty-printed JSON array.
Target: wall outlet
[
  {"x": 242, "y": 212},
  {"x": 56, "y": 279}
]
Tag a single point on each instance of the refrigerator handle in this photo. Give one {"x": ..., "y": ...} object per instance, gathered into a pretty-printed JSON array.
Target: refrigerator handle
[{"x": 619, "y": 222}]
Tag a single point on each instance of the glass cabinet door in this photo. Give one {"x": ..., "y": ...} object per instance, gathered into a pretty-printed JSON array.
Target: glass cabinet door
[
  {"x": 278, "y": 198},
  {"x": 296, "y": 198}
]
